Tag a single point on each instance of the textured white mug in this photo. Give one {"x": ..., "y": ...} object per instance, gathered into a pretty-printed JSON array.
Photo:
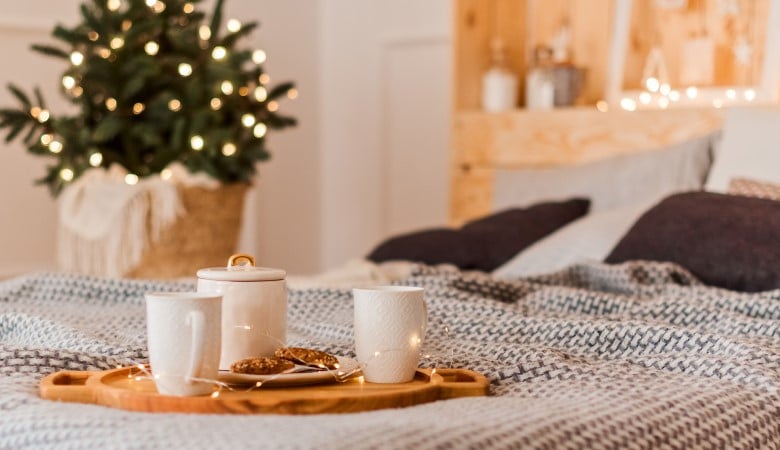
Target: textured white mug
[
  {"x": 184, "y": 331},
  {"x": 390, "y": 325}
]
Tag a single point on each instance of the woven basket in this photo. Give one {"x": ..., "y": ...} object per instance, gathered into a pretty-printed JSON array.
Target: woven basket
[{"x": 205, "y": 235}]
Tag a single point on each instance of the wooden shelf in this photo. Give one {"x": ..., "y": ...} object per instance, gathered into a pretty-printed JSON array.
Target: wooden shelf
[{"x": 521, "y": 139}]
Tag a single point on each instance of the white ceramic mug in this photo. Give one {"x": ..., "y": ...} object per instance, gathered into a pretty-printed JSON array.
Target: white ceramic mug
[
  {"x": 184, "y": 341},
  {"x": 254, "y": 307},
  {"x": 390, "y": 325}
]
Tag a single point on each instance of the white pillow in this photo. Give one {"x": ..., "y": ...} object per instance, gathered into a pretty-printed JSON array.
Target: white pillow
[
  {"x": 590, "y": 238},
  {"x": 750, "y": 148},
  {"x": 610, "y": 183}
]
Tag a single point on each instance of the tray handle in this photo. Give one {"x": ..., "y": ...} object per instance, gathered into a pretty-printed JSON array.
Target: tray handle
[
  {"x": 67, "y": 386},
  {"x": 462, "y": 383}
]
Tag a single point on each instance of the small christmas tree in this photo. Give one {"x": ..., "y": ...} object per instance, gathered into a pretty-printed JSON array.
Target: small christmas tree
[{"x": 153, "y": 85}]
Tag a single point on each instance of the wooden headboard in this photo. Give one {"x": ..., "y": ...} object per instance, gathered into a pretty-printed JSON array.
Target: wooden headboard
[{"x": 484, "y": 142}]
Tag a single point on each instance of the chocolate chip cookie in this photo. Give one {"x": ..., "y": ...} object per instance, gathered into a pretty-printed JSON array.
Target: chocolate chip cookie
[
  {"x": 262, "y": 365},
  {"x": 308, "y": 357}
]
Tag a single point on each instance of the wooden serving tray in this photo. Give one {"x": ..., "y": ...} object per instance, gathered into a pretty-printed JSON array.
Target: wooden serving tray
[{"x": 119, "y": 388}]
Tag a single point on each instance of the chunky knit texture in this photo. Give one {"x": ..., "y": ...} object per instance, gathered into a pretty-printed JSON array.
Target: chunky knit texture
[{"x": 639, "y": 355}]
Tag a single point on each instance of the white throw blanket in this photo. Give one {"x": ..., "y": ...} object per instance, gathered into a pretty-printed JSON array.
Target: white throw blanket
[{"x": 105, "y": 223}]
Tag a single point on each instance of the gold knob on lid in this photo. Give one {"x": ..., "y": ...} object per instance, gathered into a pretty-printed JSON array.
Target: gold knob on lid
[{"x": 241, "y": 260}]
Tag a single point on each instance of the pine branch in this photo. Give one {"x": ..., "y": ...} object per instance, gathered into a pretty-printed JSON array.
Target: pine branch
[
  {"x": 230, "y": 40},
  {"x": 280, "y": 90},
  {"x": 216, "y": 20},
  {"x": 70, "y": 36},
  {"x": 48, "y": 50},
  {"x": 91, "y": 20},
  {"x": 21, "y": 96},
  {"x": 39, "y": 97}
]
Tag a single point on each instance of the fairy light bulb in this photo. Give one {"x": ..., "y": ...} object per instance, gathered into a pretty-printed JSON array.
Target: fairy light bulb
[
  {"x": 259, "y": 56},
  {"x": 219, "y": 53},
  {"x": 628, "y": 104},
  {"x": 645, "y": 98},
  {"x": 272, "y": 106},
  {"x": 261, "y": 94},
  {"x": 215, "y": 104},
  {"x": 243, "y": 91},
  {"x": 68, "y": 82},
  {"x": 126, "y": 25},
  {"x": 731, "y": 94},
  {"x": 663, "y": 102},
  {"x": 131, "y": 179},
  {"x": 166, "y": 174},
  {"x": 185, "y": 69},
  {"x": 652, "y": 84},
  {"x": 43, "y": 116},
  {"x": 93, "y": 36},
  {"x": 226, "y": 87},
  {"x": 264, "y": 78},
  {"x": 196, "y": 142},
  {"x": 113, "y": 5},
  {"x": 248, "y": 120},
  {"x": 229, "y": 149},
  {"x": 104, "y": 53},
  {"x": 66, "y": 174},
  {"x": 188, "y": 8},
  {"x": 665, "y": 89},
  {"x": 151, "y": 48},
  {"x": 692, "y": 92},
  {"x": 46, "y": 139},
  {"x": 150, "y": 3},
  {"x": 174, "y": 105},
  {"x": 55, "y": 147},
  {"x": 76, "y": 58},
  {"x": 750, "y": 95},
  {"x": 138, "y": 108},
  {"x": 158, "y": 7},
  {"x": 602, "y": 106},
  {"x": 111, "y": 104},
  {"x": 117, "y": 43},
  {"x": 260, "y": 130},
  {"x": 674, "y": 96},
  {"x": 292, "y": 94},
  {"x": 233, "y": 25},
  {"x": 35, "y": 111},
  {"x": 95, "y": 159},
  {"x": 204, "y": 32}
]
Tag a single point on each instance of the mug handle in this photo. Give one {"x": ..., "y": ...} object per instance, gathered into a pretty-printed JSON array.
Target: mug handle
[
  {"x": 425, "y": 317},
  {"x": 196, "y": 320}
]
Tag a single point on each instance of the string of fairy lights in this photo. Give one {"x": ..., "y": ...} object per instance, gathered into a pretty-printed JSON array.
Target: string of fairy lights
[{"x": 256, "y": 90}]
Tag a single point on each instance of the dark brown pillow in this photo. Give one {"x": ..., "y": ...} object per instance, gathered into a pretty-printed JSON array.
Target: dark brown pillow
[
  {"x": 483, "y": 244},
  {"x": 727, "y": 241}
]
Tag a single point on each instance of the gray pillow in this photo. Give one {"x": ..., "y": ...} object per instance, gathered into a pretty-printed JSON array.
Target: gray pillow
[{"x": 624, "y": 180}]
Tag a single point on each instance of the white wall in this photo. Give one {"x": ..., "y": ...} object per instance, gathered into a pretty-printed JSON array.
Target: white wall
[
  {"x": 285, "y": 211},
  {"x": 385, "y": 121},
  {"x": 369, "y": 158},
  {"x": 27, "y": 215}
]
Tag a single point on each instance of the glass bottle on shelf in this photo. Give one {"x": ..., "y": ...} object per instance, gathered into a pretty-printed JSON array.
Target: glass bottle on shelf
[
  {"x": 499, "y": 84},
  {"x": 540, "y": 81}
]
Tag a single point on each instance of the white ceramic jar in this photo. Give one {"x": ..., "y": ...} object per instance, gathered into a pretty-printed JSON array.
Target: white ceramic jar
[{"x": 254, "y": 307}]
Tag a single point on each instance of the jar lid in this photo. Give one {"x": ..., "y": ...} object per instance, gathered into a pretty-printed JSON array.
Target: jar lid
[{"x": 241, "y": 267}]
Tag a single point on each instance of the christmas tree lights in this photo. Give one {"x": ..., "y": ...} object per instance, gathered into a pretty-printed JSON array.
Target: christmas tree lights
[{"x": 154, "y": 82}]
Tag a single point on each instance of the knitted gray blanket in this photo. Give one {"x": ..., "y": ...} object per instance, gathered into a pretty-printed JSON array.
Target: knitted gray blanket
[{"x": 639, "y": 355}]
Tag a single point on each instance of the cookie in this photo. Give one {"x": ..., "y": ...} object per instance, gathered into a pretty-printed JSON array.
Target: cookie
[
  {"x": 262, "y": 365},
  {"x": 308, "y": 357}
]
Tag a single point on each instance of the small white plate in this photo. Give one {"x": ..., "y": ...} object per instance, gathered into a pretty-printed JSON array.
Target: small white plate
[{"x": 346, "y": 365}]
